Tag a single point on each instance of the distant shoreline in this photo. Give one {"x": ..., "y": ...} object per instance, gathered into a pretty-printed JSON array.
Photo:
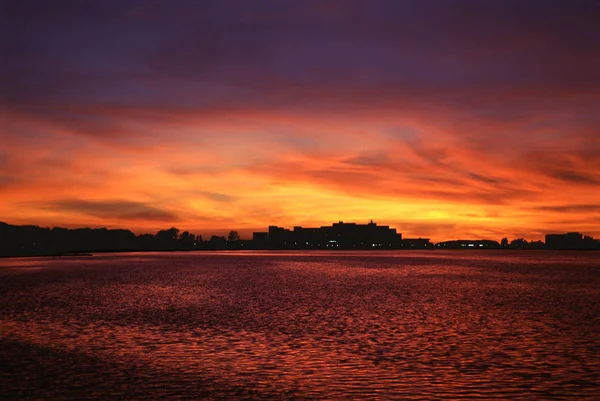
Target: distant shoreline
[
  {"x": 23, "y": 241},
  {"x": 93, "y": 253}
]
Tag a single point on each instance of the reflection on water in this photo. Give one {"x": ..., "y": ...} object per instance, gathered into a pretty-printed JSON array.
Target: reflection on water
[{"x": 303, "y": 326}]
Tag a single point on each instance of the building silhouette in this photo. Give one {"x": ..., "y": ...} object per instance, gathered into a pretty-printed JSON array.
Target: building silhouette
[
  {"x": 260, "y": 240},
  {"x": 469, "y": 244},
  {"x": 572, "y": 240},
  {"x": 416, "y": 243},
  {"x": 40, "y": 241},
  {"x": 337, "y": 236}
]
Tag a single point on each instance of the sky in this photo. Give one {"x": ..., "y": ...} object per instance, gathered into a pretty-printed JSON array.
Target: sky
[{"x": 444, "y": 119}]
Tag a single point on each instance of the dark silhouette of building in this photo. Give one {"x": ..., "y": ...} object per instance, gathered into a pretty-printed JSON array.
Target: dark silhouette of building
[
  {"x": 260, "y": 240},
  {"x": 572, "y": 240},
  {"x": 34, "y": 240},
  {"x": 416, "y": 243},
  {"x": 469, "y": 244},
  {"x": 337, "y": 236}
]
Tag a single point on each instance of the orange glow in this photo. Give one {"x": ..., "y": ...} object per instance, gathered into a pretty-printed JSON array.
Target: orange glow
[
  {"x": 451, "y": 120},
  {"x": 246, "y": 171}
]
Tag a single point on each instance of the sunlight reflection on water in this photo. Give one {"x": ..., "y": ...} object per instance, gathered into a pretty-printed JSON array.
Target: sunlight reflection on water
[{"x": 408, "y": 325}]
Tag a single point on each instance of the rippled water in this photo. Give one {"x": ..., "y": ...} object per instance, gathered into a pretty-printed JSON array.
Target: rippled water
[{"x": 397, "y": 325}]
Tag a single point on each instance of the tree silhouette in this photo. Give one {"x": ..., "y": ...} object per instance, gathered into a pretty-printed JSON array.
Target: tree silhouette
[
  {"x": 168, "y": 235},
  {"x": 187, "y": 240},
  {"x": 167, "y": 239},
  {"x": 504, "y": 242},
  {"x": 233, "y": 236},
  {"x": 217, "y": 242},
  {"x": 518, "y": 243}
]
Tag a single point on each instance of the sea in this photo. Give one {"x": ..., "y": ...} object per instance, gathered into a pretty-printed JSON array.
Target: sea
[{"x": 336, "y": 325}]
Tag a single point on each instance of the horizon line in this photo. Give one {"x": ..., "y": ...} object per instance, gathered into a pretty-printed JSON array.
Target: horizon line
[{"x": 138, "y": 233}]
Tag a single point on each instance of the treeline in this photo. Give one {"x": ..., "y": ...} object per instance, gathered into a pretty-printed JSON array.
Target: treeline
[
  {"x": 34, "y": 240},
  {"x": 573, "y": 241},
  {"x": 522, "y": 243}
]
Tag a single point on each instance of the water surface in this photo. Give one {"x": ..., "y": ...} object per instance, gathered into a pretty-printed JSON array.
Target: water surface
[{"x": 310, "y": 325}]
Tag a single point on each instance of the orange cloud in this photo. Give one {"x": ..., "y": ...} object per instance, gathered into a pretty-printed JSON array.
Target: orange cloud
[
  {"x": 425, "y": 180},
  {"x": 223, "y": 118}
]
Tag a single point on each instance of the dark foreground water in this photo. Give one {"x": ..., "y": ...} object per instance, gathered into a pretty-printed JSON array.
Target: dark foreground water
[{"x": 405, "y": 325}]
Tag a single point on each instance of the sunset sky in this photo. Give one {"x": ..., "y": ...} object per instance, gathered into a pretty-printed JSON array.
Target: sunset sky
[{"x": 444, "y": 119}]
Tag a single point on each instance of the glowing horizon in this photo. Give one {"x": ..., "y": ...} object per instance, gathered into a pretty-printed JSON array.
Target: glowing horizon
[{"x": 306, "y": 114}]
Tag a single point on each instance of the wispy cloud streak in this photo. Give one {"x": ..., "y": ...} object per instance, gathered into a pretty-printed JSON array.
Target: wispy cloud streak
[{"x": 451, "y": 117}]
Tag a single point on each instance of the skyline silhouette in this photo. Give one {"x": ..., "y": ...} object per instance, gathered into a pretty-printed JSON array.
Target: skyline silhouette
[
  {"x": 455, "y": 118},
  {"x": 57, "y": 241},
  {"x": 307, "y": 199}
]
